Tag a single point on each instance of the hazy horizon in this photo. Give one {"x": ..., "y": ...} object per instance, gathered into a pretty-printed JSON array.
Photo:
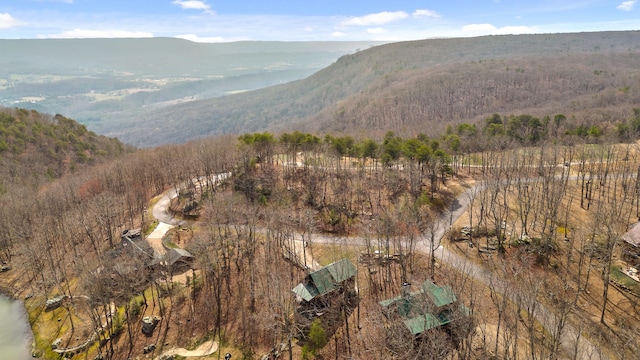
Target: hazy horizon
[{"x": 207, "y": 21}]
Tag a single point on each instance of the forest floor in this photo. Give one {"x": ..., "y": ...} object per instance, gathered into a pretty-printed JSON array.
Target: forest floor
[
  {"x": 464, "y": 259},
  {"x": 622, "y": 307},
  {"x": 453, "y": 255}
]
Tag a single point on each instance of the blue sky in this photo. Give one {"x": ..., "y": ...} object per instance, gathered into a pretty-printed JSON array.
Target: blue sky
[{"x": 303, "y": 20}]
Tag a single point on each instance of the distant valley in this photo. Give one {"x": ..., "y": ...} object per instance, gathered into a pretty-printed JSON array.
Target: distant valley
[
  {"x": 424, "y": 86},
  {"x": 148, "y": 92},
  {"x": 104, "y": 83}
]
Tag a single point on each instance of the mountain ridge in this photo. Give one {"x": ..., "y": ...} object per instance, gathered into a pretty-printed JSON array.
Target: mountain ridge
[{"x": 311, "y": 103}]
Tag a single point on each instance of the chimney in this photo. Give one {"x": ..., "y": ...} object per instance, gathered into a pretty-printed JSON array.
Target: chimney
[{"x": 406, "y": 289}]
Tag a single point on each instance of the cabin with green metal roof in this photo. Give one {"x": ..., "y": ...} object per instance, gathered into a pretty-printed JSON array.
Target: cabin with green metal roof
[
  {"x": 325, "y": 280},
  {"x": 328, "y": 294},
  {"x": 326, "y": 290},
  {"x": 430, "y": 307}
]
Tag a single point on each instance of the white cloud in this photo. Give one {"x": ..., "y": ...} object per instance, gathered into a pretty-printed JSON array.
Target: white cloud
[
  {"x": 382, "y": 18},
  {"x": 426, "y": 13},
  {"x": 479, "y": 28},
  {"x": 83, "y": 34},
  {"x": 488, "y": 29},
  {"x": 627, "y": 5},
  {"x": 8, "y": 21},
  {"x": 376, "y": 31},
  {"x": 193, "y": 5},
  {"x": 338, "y": 34},
  {"x": 516, "y": 30},
  {"x": 196, "y": 38}
]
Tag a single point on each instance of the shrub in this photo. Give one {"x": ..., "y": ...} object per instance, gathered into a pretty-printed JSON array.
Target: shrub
[{"x": 317, "y": 339}]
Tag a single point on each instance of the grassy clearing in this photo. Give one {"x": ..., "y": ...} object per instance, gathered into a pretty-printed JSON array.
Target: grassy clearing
[
  {"x": 326, "y": 254},
  {"x": 621, "y": 278},
  {"x": 47, "y": 326},
  {"x": 150, "y": 227},
  {"x": 154, "y": 201}
]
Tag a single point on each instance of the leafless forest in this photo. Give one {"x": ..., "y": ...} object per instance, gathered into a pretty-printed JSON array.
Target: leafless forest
[
  {"x": 544, "y": 223},
  {"x": 488, "y": 198},
  {"x": 424, "y": 86}
]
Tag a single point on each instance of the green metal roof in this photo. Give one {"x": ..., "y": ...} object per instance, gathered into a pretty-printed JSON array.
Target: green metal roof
[
  {"x": 388, "y": 302},
  {"x": 325, "y": 280},
  {"x": 420, "y": 324},
  {"x": 407, "y": 306},
  {"x": 341, "y": 270},
  {"x": 412, "y": 307},
  {"x": 442, "y": 296},
  {"x": 305, "y": 291},
  {"x": 428, "y": 286}
]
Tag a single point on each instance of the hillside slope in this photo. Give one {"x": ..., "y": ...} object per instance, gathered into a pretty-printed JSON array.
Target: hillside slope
[
  {"x": 591, "y": 88},
  {"x": 456, "y": 79},
  {"x": 37, "y": 147}
]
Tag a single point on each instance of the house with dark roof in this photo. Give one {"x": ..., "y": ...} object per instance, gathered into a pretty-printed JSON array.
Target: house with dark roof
[
  {"x": 128, "y": 267},
  {"x": 134, "y": 254},
  {"x": 131, "y": 254},
  {"x": 175, "y": 260},
  {"x": 430, "y": 307},
  {"x": 631, "y": 246}
]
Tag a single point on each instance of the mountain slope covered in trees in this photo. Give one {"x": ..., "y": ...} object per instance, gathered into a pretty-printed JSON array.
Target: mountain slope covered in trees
[
  {"x": 36, "y": 147},
  {"x": 592, "y": 89},
  {"x": 422, "y": 84},
  {"x": 373, "y": 202}
]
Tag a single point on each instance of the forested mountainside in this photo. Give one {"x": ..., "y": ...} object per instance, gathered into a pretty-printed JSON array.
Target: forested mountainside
[
  {"x": 421, "y": 85},
  {"x": 593, "y": 89},
  {"x": 36, "y": 147},
  {"x": 517, "y": 242}
]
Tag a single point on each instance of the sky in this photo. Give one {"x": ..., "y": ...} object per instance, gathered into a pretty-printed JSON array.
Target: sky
[{"x": 304, "y": 20}]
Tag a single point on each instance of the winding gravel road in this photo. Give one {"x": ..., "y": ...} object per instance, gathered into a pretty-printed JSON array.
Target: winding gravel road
[{"x": 573, "y": 344}]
